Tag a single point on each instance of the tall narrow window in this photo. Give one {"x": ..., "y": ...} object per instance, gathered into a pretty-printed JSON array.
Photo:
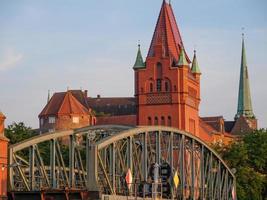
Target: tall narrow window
[
  {"x": 169, "y": 121},
  {"x": 162, "y": 121},
  {"x": 149, "y": 121},
  {"x": 156, "y": 121},
  {"x": 158, "y": 85},
  {"x": 167, "y": 86},
  {"x": 159, "y": 76},
  {"x": 151, "y": 87}
]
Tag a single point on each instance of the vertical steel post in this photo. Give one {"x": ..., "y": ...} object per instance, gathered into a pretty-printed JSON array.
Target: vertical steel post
[
  {"x": 193, "y": 170},
  {"x": 71, "y": 161},
  {"x": 32, "y": 164},
  {"x": 144, "y": 155},
  {"x": 130, "y": 153},
  {"x": 113, "y": 164},
  {"x": 182, "y": 161},
  {"x": 158, "y": 147},
  {"x": 202, "y": 173},
  {"x": 53, "y": 164},
  {"x": 171, "y": 161},
  {"x": 11, "y": 169}
]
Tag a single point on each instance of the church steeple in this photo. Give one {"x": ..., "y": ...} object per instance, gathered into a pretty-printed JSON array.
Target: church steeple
[
  {"x": 139, "y": 62},
  {"x": 244, "y": 98},
  {"x": 166, "y": 38}
]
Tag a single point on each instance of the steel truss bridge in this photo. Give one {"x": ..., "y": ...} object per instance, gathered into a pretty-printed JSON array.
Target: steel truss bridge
[{"x": 96, "y": 159}]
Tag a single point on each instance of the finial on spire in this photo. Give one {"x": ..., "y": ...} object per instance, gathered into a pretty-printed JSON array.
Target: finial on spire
[{"x": 243, "y": 33}]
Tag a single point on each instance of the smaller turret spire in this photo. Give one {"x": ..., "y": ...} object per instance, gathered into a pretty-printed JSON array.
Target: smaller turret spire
[
  {"x": 139, "y": 62},
  {"x": 182, "y": 59},
  {"x": 195, "y": 67}
]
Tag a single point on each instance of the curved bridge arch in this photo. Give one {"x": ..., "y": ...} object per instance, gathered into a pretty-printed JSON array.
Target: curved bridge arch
[{"x": 98, "y": 158}]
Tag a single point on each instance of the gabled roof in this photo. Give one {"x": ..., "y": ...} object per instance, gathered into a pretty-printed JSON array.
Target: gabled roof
[
  {"x": 70, "y": 102},
  {"x": 167, "y": 34}
]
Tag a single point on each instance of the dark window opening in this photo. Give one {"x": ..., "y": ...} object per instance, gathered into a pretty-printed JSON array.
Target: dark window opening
[
  {"x": 167, "y": 88},
  {"x": 156, "y": 121},
  {"x": 163, "y": 121},
  {"x": 149, "y": 121},
  {"x": 158, "y": 85},
  {"x": 151, "y": 87},
  {"x": 169, "y": 121}
]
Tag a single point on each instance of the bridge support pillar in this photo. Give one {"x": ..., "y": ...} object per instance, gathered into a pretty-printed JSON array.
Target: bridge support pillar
[
  {"x": 92, "y": 170},
  {"x": 3, "y": 159}
]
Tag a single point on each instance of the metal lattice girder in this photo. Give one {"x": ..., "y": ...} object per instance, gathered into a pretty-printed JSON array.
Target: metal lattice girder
[{"x": 97, "y": 159}]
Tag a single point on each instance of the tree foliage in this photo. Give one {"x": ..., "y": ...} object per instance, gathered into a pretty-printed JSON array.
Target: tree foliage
[
  {"x": 249, "y": 157},
  {"x": 18, "y": 132}
]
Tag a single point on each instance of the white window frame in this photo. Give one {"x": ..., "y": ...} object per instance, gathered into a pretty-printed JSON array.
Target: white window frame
[
  {"x": 75, "y": 120},
  {"x": 51, "y": 120}
]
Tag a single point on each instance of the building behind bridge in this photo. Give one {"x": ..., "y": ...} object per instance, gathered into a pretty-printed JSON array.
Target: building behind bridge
[{"x": 167, "y": 92}]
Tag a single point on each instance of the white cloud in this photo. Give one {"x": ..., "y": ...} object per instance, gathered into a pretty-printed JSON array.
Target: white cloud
[{"x": 9, "y": 59}]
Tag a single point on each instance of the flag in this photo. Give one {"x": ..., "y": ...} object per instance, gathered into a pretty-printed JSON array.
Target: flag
[{"x": 129, "y": 178}]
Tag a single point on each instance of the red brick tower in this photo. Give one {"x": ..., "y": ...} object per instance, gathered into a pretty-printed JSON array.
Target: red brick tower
[
  {"x": 3, "y": 159},
  {"x": 166, "y": 89}
]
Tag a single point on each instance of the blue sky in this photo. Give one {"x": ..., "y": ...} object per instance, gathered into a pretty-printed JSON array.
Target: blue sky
[{"x": 55, "y": 44}]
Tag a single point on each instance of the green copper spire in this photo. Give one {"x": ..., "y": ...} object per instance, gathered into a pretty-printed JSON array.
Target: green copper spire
[
  {"x": 182, "y": 59},
  {"x": 139, "y": 62},
  {"x": 195, "y": 67},
  {"x": 244, "y": 98}
]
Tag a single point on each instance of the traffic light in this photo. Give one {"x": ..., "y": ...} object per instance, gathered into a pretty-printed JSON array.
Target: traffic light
[{"x": 165, "y": 174}]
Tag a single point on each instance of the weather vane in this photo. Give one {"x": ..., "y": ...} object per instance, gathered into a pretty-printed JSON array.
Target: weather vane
[{"x": 243, "y": 30}]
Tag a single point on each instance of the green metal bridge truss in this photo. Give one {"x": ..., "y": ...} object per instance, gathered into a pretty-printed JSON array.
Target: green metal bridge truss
[{"x": 96, "y": 159}]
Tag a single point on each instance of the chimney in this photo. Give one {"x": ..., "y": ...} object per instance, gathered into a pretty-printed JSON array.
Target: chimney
[
  {"x": 2, "y": 123},
  {"x": 86, "y": 93}
]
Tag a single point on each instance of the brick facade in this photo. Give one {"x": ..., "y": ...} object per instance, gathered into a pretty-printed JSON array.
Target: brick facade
[
  {"x": 167, "y": 94},
  {"x": 3, "y": 159}
]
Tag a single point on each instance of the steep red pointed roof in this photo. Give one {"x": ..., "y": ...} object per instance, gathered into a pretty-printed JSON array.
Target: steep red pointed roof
[
  {"x": 69, "y": 102},
  {"x": 167, "y": 33},
  {"x": 71, "y": 105}
]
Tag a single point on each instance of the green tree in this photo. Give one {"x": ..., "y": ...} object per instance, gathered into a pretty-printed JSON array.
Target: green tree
[
  {"x": 249, "y": 157},
  {"x": 18, "y": 132}
]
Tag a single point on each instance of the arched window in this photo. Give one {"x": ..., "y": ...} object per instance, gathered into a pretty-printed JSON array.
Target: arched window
[
  {"x": 149, "y": 121},
  {"x": 151, "y": 87},
  {"x": 159, "y": 70},
  {"x": 156, "y": 122},
  {"x": 159, "y": 76},
  {"x": 167, "y": 86},
  {"x": 162, "y": 121},
  {"x": 169, "y": 121}
]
